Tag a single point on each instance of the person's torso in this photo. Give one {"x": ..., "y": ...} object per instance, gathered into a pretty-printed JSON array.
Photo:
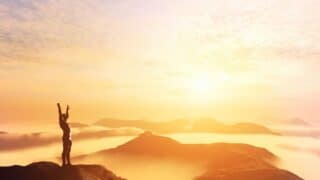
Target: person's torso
[{"x": 66, "y": 130}]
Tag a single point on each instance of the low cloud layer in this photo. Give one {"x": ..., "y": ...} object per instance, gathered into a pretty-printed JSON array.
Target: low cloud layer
[{"x": 11, "y": 142}]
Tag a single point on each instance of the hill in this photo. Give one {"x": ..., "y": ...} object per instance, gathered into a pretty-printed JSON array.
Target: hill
[
  {"x": 52, "y": 171},
  {"x": 222, "y": 161}
]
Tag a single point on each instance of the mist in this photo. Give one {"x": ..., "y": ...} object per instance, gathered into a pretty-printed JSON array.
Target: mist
[{"x": 295, "y": 153}]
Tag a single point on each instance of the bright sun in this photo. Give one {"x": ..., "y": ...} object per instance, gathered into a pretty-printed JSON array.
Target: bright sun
[
  {"x": 201, "y": 84},
  {"x": 204, "y": 86}
]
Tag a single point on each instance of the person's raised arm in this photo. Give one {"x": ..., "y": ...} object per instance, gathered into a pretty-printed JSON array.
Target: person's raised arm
[
  {"x": 59, "y": 109},
  {"x": 67, "y": 111}
]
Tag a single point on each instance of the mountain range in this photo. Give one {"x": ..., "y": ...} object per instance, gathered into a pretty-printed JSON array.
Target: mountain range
[{"x": 181, "y": 126}]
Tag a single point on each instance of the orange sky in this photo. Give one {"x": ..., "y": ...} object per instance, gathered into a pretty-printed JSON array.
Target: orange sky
[{"x": 159, "y": 60}]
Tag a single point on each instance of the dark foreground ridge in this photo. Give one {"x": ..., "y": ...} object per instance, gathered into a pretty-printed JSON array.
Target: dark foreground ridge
[
  {"x": 255, "y": 174},
  {"x": 52, "y": 171}
]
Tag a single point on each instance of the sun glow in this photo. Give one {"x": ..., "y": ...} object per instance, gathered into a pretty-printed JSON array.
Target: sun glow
[
  {"x": 201, "y": 84},
  {"x": 205, "y": 86}
]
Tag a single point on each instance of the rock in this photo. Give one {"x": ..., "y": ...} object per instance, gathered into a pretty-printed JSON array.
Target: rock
[{"x": 52, "y": 171}]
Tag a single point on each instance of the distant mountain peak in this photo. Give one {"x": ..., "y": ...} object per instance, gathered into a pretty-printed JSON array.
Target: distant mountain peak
[
  {"x": 147, "y": 134},
  {"x": 147, "y": 142},
  {"x": 150, "y": 136},
  {"x": 298, "y": 121}
]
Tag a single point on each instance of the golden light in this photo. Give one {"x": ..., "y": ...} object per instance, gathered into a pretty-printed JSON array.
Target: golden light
[
  {"x": 201, "y": 84},
  {"x": 204, "y": 87}
]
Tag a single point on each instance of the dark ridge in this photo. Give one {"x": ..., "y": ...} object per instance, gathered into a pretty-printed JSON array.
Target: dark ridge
[
  {"x": 254, "y": 174},
  {"x": 52, "y": 171}
]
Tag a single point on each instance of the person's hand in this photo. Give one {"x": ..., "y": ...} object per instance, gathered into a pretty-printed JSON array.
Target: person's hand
[{"x": 68, "y": 107}]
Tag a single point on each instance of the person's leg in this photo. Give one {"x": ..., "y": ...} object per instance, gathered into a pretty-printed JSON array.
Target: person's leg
[
  {"x": 68, "y": 152},
  {"x": 63, "y": 156}
]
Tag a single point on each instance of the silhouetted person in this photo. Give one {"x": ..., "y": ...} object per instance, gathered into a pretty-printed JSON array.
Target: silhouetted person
[{"x": 66, "y": 138}]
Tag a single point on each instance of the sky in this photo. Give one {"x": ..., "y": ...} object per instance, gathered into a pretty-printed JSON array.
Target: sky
[{"x": 234, "y": 60}]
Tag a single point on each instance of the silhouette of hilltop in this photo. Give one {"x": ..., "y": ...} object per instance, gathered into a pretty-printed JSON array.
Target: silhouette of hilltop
[
  {"x": 297, "y": 122},
  {"x": 149, "y": 144},
  {"x": 52, "y": 171}
]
